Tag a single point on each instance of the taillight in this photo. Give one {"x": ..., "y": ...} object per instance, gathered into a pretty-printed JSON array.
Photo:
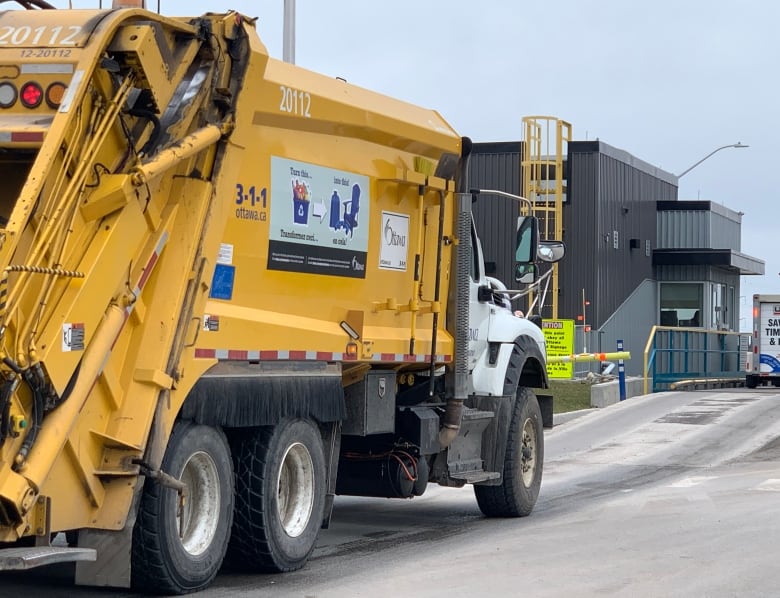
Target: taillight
[
  {"x": 8, "y": 95},
  {"x": 54, "y": 94},
  {"x": 31, "y": 95}
]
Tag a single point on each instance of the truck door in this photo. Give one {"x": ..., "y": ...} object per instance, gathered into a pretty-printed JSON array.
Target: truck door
[{"x": 479, "y": 311}]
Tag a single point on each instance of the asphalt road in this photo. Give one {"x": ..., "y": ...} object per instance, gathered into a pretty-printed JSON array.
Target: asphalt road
[{"x": 674, "y": 494}]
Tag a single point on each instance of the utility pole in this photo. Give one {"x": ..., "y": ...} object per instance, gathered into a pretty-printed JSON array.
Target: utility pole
[
  {"x": 288, "y": 50},
  {"x": 738, "y": 145}
]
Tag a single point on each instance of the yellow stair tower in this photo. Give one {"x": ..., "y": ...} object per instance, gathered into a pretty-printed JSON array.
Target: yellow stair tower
[{"x": 545, "y": 144}]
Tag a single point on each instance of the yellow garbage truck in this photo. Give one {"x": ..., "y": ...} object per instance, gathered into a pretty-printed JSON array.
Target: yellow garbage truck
[{"x": 230, "y": 290}]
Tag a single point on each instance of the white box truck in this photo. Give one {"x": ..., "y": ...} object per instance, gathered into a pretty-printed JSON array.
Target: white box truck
[{"x": 764, "y": 365}]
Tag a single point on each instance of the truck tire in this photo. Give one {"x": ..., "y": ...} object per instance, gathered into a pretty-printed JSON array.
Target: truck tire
[
  {"x": 166, "y": 559},
  {"x": 522, "y": 473},
  {"x": 280, "y": 497},
  {"x": 751, "y": 381}
]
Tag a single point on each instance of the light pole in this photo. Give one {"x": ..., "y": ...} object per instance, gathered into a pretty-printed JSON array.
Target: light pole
[
  {"x": 738, "y": 144},
  {"x": 288, "y": 47}
]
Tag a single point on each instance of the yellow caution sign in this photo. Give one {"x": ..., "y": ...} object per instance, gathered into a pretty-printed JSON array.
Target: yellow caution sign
[{"x": 559, "y": 336}]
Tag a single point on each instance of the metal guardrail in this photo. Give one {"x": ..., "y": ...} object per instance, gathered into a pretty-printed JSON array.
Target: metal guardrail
[{"x": 674, "y": 355}]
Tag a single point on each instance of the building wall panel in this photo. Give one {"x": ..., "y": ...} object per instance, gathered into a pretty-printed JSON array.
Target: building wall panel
[
  {"x": 631, "y": 323},
  {"x": 698, "y": 224},
  {"x": 497, "y": 166},
  {"x": 612, "y": 201}
]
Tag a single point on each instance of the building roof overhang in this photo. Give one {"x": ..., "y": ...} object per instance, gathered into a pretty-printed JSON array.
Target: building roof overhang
[{"x": 744, "y": 265}]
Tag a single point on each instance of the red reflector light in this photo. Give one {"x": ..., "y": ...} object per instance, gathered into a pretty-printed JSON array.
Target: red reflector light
[{"x": 31, "y": 95}]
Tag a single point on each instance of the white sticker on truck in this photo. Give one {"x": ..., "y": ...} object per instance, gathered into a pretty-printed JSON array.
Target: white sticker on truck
[
  {"x": 75, "y": 82},
  {"x": 394, "y": 245},
  {"x": 225, "y": 255},
  {"x": 73, "y": 336},
  {"x": 319, "y": 219}
]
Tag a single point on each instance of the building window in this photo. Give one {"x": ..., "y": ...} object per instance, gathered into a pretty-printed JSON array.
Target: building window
[
  {"x": 732, "y": 311},
  {"x": 718, "y": 301},
  {"x": 682, "y": 304}
]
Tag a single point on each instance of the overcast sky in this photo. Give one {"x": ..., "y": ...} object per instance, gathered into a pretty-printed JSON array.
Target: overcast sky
[{"x": 668, "y": 81}]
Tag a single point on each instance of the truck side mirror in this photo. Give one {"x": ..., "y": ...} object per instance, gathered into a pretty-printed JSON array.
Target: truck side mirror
[
  {"x": 526, "y": 248},
  {"x": 550, "y": 251},
  {"x": 527, "y": 240},
  {"x": 525, "y": 273}
]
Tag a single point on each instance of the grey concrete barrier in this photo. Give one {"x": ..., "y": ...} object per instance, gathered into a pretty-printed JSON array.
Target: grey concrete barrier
[{"x": 608, "y": 393}]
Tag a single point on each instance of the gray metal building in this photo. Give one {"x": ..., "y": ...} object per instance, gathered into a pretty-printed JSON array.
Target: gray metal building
[{"x": 637, "y": 255}]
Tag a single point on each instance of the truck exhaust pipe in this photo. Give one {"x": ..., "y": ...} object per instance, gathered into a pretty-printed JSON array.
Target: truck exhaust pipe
[{"x": 459, "y": 328}]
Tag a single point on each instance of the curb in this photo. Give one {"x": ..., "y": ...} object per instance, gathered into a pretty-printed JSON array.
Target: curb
[{"x": 562, "y": 418}]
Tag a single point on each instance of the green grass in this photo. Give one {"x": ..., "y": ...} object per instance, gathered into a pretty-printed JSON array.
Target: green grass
[{"x": 570, "y": 395}]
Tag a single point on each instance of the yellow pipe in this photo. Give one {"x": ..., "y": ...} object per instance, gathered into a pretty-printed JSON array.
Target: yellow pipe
[
  {"x": 414, "y": 302},
  {"x": 59, "y": 423},
  {"x": 72, "y": 144},
  {"x": 170, "y": 157},
  {"x": 588, "y": 357}
]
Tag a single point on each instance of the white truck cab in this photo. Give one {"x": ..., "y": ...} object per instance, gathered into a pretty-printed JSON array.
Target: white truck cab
[{"x": 493, "y": 325}]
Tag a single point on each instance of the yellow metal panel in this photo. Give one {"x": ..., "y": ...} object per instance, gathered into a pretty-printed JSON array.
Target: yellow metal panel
[
  {"x": 141, "y": 41},
  {"x": 64, "y": 29},
  {"x": 331, "y": 132},
  {"x": 83, "y": 466},
  {"x": 156, "y": 377},
  {"x": 109, "y": 255},
  {"x": 114, "y": 393},
  {"x": 111, "y": 195},
  {"x": 41, "y": 518},
  {"x": 294, "y": 98}
]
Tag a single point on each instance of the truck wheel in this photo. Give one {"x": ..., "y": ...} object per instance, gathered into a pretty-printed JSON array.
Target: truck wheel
[
  {"x": 522, "y": 474},
  {"x": 280, "y": 497},
  {"x": 751, "y": 381},
  {"x": 180, "y": 551}
]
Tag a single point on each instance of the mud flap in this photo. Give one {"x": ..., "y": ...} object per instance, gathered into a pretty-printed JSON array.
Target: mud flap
[{"x": 546, "y": 405}]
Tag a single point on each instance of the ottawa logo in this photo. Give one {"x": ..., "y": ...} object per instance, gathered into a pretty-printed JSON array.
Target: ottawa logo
[
  {"x": 356, "y": 265},
  {"x": 392, "y": 238}
]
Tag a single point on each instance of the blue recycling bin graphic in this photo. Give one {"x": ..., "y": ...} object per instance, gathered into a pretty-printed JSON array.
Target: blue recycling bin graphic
[
  {"x": 301, "y": 211},
  {"x": 300, "y": 203}
]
